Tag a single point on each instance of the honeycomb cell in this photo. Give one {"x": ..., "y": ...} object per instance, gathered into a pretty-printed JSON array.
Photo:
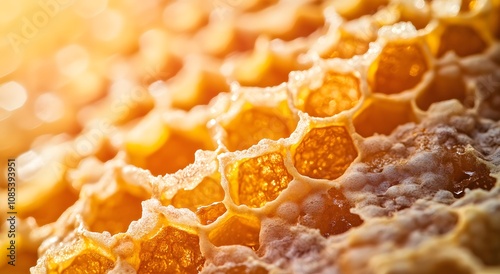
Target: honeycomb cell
[
  {"x": 175, "y": 153},
  {"x": 260, "y": 180},
  {"x": 468, "y": 172},
  {"x": 468, "y": 5},
  {"x": 333, "y": 216},
  {"x": 448, "y": 85},
  {"x": 91, "y": 262},
  {"x": 115, "y": 213},
  {"x": 382, "y": 116},
  {"x": 243, "y": 269},
  {"x": 325, "y": 153},
  {"x": 237, "y": 230},
  {"x": 252, "y": 125},
  {"x": 265, "y": 67},
  {"x": 147, "y": 136},
  {"x": 57, "y": 203},
  {"x": 193, "y": 87},
  {"x": 355, "y": 9},
  {"x": 207, "y": 192},
  {"x": 339, "y": 92},
  {"x": 208, "y": 214},
  {"x": 347, "y": 46},
  {"x": 171, "y": 251},
  {"x": 461, "y": 39},
  {"x": 393, "y": 74}
]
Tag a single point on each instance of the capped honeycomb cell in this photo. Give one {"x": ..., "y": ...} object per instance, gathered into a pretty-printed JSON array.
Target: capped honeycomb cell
[
  {"x": 382, "y": 116},
  {"x": 330, "y": 213},
  {"x": 257, "y": 123},
  {"x": 236, "y": 230},
  {"x": 463, "y": 40},
  {"x": 259, "y": 180},
  {"x": 339, "y": 92},
  {"x": 325, "y": 153},
  {"x": 207, "y": 192},
  {"x": 210, "y": 213},
  {"x": 171, "y": 250},
  {"x": 391, "y": 74}
]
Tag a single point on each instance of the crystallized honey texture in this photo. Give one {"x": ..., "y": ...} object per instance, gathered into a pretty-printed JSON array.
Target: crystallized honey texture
[{"x": 231, "y": 136}]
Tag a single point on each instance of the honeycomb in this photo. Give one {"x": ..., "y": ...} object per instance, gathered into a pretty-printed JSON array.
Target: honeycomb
[{"x": 231, "y": 136}]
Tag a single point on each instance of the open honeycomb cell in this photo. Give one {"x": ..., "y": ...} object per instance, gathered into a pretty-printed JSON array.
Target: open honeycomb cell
[
  {"x": 254, "y": 124},
  {"x": 325, "y": 153},
  {"x": 58, "y": 206},
  {"x": 449, "y": 85},
  {"x": 393, "y": 74},
  {"x": 339, "y": 92},
  {"x": 207, "y": 192},
  {"x": 236, "y": 230},
  {"x": 115, "y": 213},
  {"x": 210, "y": 213},
  {"x": 260, "y": 180},
  {"x": 89, "y": 263},
  {"x": 175, "y": 153},
  {"x": 463, "y": 40},
  {"x": 347, "y": 46},
  {"x": 171, "y": 250},
  {"x": 382, "y": 116}
]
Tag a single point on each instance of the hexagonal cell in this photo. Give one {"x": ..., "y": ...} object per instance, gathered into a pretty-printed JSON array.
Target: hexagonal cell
[
  {"x": 382, "y": 116},
  {"x": 236, "y": 230},
  {"x": 60, "y": 199},
  {"x": 354, "y": 9},
  {"x": 399, "y": 67},
  {"x": 325, "y": 153},
  {"x": 265, "y": 66},
  {"x": 448, "y": 84},
  {"x": 210, "y": 213},
  {"x": 413, "y": 11},
  {"x": 256, "y": 123},
  {"x": 113, "y": 213},
  {"x": 91, "y": 262},
  {"x": 77, "y": 255},
  {"x": 207, "y": 192},
  {"x": 171, "y": 250},
  {"x": 338, "y": 92},
  {"x": 258, "y": 180},
  {"x": 330, "y": 213},
  {"x": 347, "y": 46},
  {"x": 175, "y": 152},
  {"x": 194, "y": 85},
  {"x": 462, "y": 39}
]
